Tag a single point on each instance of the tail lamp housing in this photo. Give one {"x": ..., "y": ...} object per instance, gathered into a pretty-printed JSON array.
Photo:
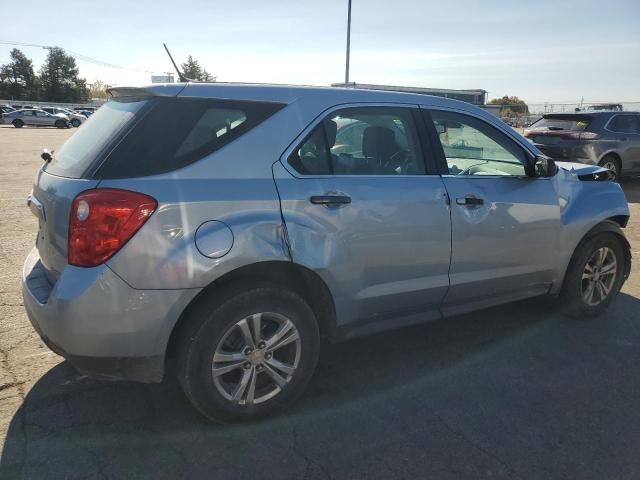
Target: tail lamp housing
[{"x": 102, "y": 221}]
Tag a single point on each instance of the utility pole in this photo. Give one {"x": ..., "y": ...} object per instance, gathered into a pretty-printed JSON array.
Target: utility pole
[{"x": 346, "y": 73}]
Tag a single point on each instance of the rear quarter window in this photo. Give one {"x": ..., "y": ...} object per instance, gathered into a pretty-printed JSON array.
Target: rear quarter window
[{"x": 176, "y": 132}]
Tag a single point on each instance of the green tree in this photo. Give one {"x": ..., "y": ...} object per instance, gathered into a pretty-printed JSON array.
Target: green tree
[
  {"x": 194, "y": 71},
  {"x": 510, "y": 106},
  {"x": 17, "y": 79},
  {"x": 97, "y": 89},
  {"x": 59, "y": 78}
]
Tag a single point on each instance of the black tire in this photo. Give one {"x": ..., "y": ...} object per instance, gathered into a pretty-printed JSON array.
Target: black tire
[
  {"x": 61, "y": 124},
  {"x": 206, "y": 327},
  {"x": 18, "y": 123},
  {"x": 75, "y": 123},
  {"x": 613, "y": 164},
  {"x": 571, "y": 298}
]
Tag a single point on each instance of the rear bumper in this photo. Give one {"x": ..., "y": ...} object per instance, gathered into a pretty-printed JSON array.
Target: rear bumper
[{"x": 101, "y": 325}]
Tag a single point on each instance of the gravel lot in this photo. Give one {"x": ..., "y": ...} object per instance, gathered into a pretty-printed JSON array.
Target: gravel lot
[{"x": 513, "y": 392}]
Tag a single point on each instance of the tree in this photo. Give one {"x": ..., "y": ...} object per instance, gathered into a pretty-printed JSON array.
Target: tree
[
  {"x": 510, "y": 106},
  {"x": 59, "y": 79},
  {"x": 17, "y": 79},
  {"x": 97, "y": 89},
  {"x": 192, "y": 70}
]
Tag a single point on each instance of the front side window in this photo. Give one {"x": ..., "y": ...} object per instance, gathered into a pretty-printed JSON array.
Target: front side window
[
  {"x": 624, "y": 124},
  {"x": 474, "y": 147},
  {"x": 361, "y": 141}
]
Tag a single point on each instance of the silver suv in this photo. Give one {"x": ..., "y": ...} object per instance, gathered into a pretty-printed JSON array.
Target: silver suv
[{"x": 220, "y": 231}]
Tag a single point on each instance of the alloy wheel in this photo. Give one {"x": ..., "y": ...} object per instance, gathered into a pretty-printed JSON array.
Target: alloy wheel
[
  {"x": 256, "y": 358},
  {"x": 612, "y": 167},
  {"x": 599, "y": 276}
]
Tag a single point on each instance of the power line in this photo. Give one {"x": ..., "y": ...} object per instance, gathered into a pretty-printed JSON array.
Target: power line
[{"x": 79, "y": 56}]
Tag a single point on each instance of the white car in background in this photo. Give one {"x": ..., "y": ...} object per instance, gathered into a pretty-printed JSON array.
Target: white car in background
[{"x": 75, "y": 118}]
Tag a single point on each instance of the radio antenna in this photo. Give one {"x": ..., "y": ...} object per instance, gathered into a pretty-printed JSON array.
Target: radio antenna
[{"x": 181, "y": 77}]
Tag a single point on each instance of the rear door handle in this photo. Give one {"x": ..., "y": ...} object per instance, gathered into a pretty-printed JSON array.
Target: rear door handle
[
  {"x": 469, "y": 201},
  {"x": 330, "y": 199}
]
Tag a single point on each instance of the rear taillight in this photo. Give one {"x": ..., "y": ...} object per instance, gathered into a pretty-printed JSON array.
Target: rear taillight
[
  {"x": 102, "y": 221},
  {"x": 579, "y": 135}
]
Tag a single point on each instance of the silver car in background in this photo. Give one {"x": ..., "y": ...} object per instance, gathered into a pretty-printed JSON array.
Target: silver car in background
[
  {"x": 75, "y": 118},
  {"x": 219, "y": 231},
  {"x": 34, "y": 117}
]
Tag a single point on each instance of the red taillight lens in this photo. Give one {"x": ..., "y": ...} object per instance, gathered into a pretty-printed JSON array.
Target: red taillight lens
[{"x": 102, "y": 221}]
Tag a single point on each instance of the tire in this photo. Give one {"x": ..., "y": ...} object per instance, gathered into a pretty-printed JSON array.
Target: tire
[
  {"x": 575, "y": 290},
  {"x": 75, "y": 123},
  {"x": 212, "y": 327},
  {"x": 18, "y": 123},
  {"x": 611, "y": 163},
  {"x": 60, "y": 124}
]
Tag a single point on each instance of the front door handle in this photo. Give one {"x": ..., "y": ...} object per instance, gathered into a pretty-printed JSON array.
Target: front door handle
[
  {"x": 330, "y": 199},
  {"x": 470, "y": 201}
]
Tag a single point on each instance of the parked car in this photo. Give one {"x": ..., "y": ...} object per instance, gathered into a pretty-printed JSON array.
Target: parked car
[
  {"x": 85, "y": 109},
  {"x": 609, "y": 139},
  {"x": 218, "y": 231},
  {"x": 75, "y": 118},
  {"x": 35, "y": 117},
  {"x": 6, "y": 109},
  {"x": 85, "y": 113}
]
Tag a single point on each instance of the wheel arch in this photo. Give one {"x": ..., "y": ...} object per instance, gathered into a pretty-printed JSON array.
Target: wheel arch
[
  {"x": 297, "y": 278},
  {"x": 613, "y": 225}
]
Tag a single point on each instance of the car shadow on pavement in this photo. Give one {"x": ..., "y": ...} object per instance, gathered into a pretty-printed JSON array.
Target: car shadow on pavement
[{"x": 73, "y": 428}]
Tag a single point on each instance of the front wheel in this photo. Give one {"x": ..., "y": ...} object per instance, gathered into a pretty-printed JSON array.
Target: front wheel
[
  {"x": 18, "y": 123},
  {"x": 595, "y": 275},
  {"x": 61, "y": 124},
  {"x": 75, "y": 123},
  {"x": 611, "y": 163},
  {"x": 248, "y": 356}
]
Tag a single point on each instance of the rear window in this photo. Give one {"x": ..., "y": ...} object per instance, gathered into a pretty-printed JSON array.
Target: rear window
[
  {"x": 89, "y": 142},
  {"x": 555, "y": 123},
  {"x": 139, "y": 137},
  {"x": 179, "y": 131}
]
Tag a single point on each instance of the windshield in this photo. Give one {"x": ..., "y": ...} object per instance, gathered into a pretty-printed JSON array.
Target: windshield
[
  {"x": 576, "y": 124},
  {"x": 78, "y": 153}
]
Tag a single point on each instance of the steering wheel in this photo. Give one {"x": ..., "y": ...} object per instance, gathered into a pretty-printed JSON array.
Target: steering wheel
[{"x": 399, "y": 159}]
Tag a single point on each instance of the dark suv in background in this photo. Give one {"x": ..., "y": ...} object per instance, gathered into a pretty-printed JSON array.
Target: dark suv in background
[{"x": 608, "y": 139}]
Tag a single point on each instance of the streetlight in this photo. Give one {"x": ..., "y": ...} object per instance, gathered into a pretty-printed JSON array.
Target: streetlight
[{"x": 346, "y": 73}]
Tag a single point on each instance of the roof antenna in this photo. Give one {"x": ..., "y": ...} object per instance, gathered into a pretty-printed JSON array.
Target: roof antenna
[{"x": 181, "y": 77}]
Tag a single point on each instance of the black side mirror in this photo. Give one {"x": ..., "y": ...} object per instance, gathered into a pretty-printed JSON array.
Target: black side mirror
[
  {"x": 46, "y": 156},
  {"x": 543, "y": 166}
]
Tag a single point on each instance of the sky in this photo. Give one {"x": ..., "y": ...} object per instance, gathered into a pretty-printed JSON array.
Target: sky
[{"x": 541, "y": 51}]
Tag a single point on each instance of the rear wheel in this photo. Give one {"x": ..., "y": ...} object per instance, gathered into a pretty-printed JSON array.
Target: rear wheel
[
  {"x": 18, "y": 123},
  {"x": 595, "y": 275},
  {"x": 61, "y": 124},
  {"x": 248, "y": 356},
  {"x": 611, "y": 163}
]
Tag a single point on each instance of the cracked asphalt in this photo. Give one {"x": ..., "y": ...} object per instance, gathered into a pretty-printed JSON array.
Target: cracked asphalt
[{"x": 517, "y": 392}]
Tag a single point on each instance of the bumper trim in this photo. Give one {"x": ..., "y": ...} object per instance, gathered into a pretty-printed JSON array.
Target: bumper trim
[{"x": 136, "y": 369}]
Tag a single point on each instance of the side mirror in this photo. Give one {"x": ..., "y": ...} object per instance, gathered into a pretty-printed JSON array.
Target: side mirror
[
  {"x": 46, "y": 156},
  {"x": 543, "y": 166}
]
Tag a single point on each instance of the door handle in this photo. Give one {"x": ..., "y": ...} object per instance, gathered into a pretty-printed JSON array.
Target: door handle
[
  {"x": 469, "y": 201},
  {"x": 330, "y": 199}
]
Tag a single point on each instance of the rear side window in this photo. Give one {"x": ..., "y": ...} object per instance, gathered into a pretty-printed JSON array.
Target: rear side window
[
  {"x": 559, "y": 123},
  {"x": 361, "y": 141},
  {"x": 624, "y": 124},
  {"x": 179, "y": 131}
]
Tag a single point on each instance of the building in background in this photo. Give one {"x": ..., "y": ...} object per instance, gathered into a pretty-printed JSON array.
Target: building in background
[
  {"x": 475, "y": 97},
  {"x": 168, "y": 78}
]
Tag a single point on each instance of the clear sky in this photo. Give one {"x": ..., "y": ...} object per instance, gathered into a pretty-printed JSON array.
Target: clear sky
[{"x": 542, "y": 50}]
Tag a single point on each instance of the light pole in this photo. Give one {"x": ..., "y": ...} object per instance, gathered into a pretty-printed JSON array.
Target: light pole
[{"x": 346, "y": 73}]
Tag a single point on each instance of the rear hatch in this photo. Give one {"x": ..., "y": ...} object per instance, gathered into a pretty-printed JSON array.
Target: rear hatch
[
  {"x": 70, "y": 172},
  {"x": 556, "y": 134}
]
